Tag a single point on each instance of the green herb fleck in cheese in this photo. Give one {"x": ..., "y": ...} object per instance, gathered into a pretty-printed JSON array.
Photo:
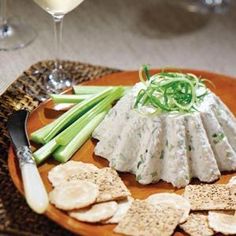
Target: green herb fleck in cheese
[{"x": 217, "y": 137}]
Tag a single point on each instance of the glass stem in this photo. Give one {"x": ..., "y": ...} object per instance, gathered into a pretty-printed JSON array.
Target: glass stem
[
  {"x": 58, "y": 22},
  {"x": 3, "y": 12}
]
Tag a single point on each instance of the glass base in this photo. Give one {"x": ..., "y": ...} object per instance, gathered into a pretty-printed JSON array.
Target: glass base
[
  {"x": 15, "y": 34},
  {"x": 206, "y": 6},
  {"x": 51, "y": 81},
  {"x": 57, "y": 81}
]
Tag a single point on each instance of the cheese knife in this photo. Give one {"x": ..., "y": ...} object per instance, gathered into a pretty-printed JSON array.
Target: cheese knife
[{"x": 35, "y": 192}]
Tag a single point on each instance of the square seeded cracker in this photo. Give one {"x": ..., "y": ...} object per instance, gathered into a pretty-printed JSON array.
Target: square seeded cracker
[
  {"x": 210, "y": 197},
  {"x": 142, "y": 219},
  {"x": 111, "y": 187},
  {"x": 197, "y": 225}
]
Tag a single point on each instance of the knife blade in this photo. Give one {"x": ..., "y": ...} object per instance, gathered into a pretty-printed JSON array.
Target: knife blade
[{"x": 35, "y": 192}]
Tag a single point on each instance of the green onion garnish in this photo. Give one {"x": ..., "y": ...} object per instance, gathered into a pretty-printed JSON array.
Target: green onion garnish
[{"x": 170, "y": 91}]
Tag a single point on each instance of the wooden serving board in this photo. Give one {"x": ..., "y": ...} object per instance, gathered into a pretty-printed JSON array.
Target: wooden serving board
[{"x": 225, "y": 88}]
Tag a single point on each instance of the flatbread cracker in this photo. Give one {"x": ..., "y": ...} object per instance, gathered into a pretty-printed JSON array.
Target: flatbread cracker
[
  {"x": 111, "y": 187},
  {"x": 171, "y": 198},
  {"x": 222, "y": 223},
  {"x": 96, "y": 213},
  {"x": 209, "y": 197},
  {"x": 144, "y": 219},
  {"x": 197, "y": 225},
  {"x": 60, "y": 173},
  {"x": 74, "y": 195}
]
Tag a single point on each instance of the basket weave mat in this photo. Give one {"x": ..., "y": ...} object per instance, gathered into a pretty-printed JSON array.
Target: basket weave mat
[{"x": 16, "y": 218}]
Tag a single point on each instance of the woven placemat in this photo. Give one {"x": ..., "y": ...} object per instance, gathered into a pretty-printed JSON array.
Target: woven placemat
[{"x": 16, "y": 218}]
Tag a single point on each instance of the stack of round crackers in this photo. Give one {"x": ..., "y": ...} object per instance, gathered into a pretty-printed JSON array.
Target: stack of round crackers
[{"x": 89, "y": 194}]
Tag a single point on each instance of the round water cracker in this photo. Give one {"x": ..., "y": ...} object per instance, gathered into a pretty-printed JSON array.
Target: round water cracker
[
  {"x": 62, "y": 172},
  {"x": 173, "y": 199},
  {"x": 222, "y": 223},
  {"x": 111, "y": 186},
  {"x": 123, "y": 207},
  {"x": 74, "y": 195},
  {"x": 96, "y": 213},
  {"x": 232, "y": 181}
]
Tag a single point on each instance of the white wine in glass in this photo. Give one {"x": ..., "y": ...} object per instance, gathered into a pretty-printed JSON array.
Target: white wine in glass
[
  {"x": 58, "y": 79},
  {"x": 14, "y": 34},
  {"x": 55, "y": 7}
]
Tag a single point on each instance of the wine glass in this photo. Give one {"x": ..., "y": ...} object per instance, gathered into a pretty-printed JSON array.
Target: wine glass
[
  {"x": 207, "y": 6},
  {"x": 58, "y": 79},
  {"x": 13, "y": 33}
]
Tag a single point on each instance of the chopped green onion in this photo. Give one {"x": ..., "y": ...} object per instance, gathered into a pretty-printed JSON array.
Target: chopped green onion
[
  {"x": 146, "y": 71},
  {"x": 68, "y": 98},
  {"x": 64, "y": 153},
  {"x": 141, "y": 69},
  {"x": 170, "y": 91},
  {"x": 208, "y": 81}
]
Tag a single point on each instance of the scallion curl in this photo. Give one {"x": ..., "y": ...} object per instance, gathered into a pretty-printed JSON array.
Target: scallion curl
[{"x": 170, "y": 91}]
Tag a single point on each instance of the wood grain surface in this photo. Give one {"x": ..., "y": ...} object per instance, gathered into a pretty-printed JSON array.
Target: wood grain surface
[{"x": 225, "y": 88}]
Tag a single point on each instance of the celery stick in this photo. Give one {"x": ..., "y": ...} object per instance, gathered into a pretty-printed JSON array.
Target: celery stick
[
  {"x": 38, "y": 134},
  {"x": 87, "y": 89},
  {"x": 71, "y": 131},
  {"x": 68, "y": 134},
  {"x": 42, "y": 153},
  {"x": 45, "y": 151},
  {"x": 64, "y": 153},
  {"x": 68, "y": 98},
  {"x": 46, "y": 133},
  {"x": 84, "y": 89},
  {"x": 65, "y": 137}
]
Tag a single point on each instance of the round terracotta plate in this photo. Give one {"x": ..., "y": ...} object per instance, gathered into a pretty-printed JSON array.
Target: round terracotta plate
[{"x": 225, "y": 88}]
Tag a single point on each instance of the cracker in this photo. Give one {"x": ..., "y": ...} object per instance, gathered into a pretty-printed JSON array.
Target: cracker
[
  {"x": 222, "y": 223},
  {"x": 144, "y": 219},
  {"x": 96, "y": 213},
  {"x": 74, "y": 195},
  {"x": 232, "y": 181},
  {"x": 111, "y": 187},
  {"x": 210, "y": 197},
  {"x": 171, "y": 198},
  {"x": 232, "y": 186},
  {"x": 197, "y": 225},
  {"x": 123, "y": 207},
  {"x": 60, "y": 173}
]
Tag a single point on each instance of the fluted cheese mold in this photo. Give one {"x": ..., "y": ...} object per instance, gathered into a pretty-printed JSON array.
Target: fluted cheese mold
[{"x": 174, "y": 147}]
